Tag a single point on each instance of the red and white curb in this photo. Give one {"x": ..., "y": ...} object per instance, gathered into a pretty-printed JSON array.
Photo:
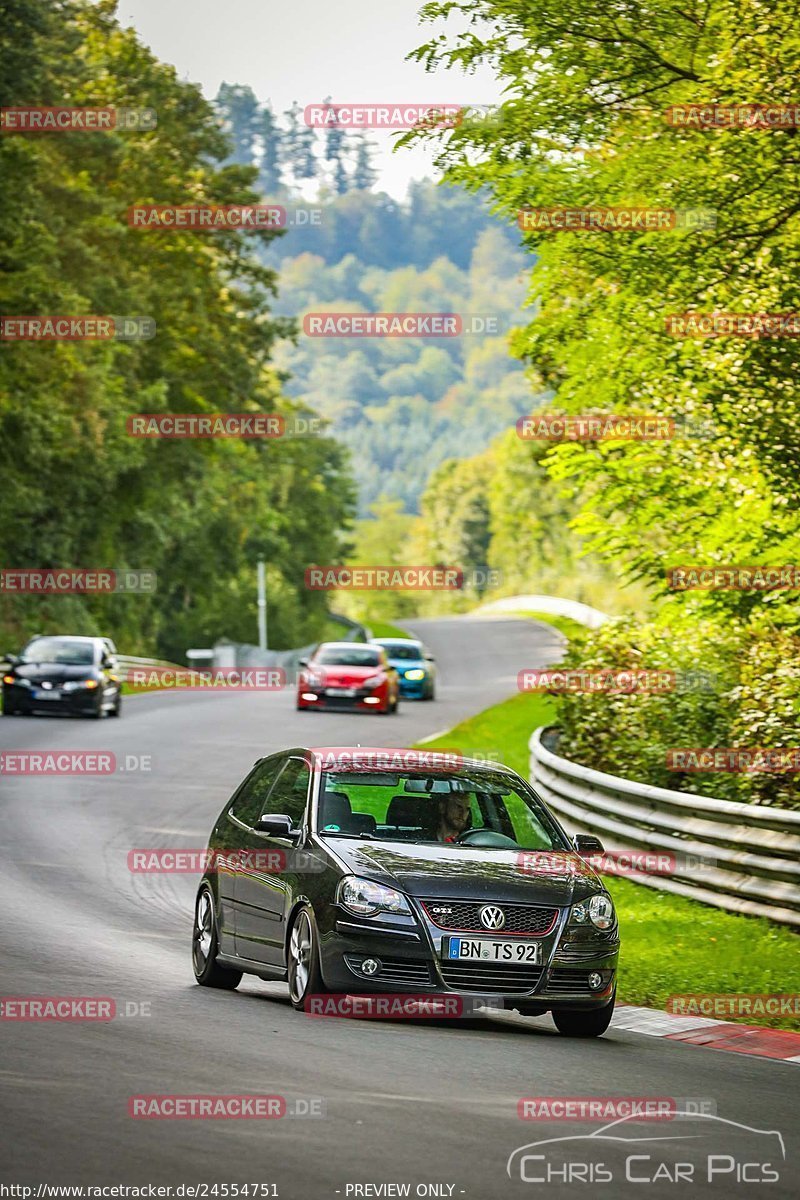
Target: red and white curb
[{"x": 781, "y": 1044}]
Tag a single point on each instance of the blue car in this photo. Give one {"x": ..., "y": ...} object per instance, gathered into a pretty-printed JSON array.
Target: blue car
[{"x": 415, "y": 666}]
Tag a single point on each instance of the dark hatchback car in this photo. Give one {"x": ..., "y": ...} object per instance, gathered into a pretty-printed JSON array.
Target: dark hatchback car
[
  {"x": 73, "y": 675},
  {"x": 364, "y": 871}
]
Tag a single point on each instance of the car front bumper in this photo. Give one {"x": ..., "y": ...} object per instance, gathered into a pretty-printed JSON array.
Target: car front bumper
[
  {"x": 23, "y": 700},
  {"x": 410, "y": 962}
]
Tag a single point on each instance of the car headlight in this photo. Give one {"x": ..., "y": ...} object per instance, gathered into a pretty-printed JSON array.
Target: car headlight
[
  {"x": 417, "y": 673},
  {"x": 75, "y": 684},
  {"x": 601, "y": 911},
  {"x": 373, "y": 681},
  {"x": 597, "y": 911},
  {"x": 17, "y": 680},
  {"x": 366, "y": 898}
]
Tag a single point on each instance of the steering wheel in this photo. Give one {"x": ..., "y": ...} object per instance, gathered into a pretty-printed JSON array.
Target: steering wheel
[{"x": 485, "y": 837}]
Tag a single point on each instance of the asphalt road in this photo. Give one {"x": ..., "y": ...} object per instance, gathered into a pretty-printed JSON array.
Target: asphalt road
[{"x": 428, "y": 1104}]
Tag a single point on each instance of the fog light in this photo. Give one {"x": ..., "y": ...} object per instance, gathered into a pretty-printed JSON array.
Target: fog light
[
  {"x": 370, "y": 966},
  {"x": 595, "y": 980},
  {"x": 308, "y": 695},
  {"x": 372, "y": 699}
]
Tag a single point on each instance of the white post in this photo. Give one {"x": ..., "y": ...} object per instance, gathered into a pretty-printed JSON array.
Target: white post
[{"x": 262, "y": 606}]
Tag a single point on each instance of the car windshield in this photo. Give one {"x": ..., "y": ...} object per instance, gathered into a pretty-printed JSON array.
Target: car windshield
[
  {"x": 485, "y": 808},
  {"x": 66, "y": 651},
  {"x": 407, "y": 651},
  {"x": 354, "y": 657}
]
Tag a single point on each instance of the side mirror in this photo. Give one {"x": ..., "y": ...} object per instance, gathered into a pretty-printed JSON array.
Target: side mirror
[
  {"x": 276, "y": 825},
  {"x": 429, "y": 658},
  {"x": 587, "y": 843},
  {"x": 12, "y": 658},
  {"x": 302, "y": 662}
]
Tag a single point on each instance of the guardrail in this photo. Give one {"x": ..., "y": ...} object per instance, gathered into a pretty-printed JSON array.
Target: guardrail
[
  {"x": 749, "y": 855},
  {"x": 127, "y": 662}
]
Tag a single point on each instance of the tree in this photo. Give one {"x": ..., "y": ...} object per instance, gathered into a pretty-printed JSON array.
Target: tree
[
  {"x": 335, "y": 149},
  {"x": 238, "y": 108},
  {"x": 364, "y": 174},
  {"x": 270, "y": 167},
  {"x": 77, "y": 489}
]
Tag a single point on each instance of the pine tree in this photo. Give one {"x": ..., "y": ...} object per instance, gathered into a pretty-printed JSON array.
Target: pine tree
[
  {"x": 238, "y": 108},
  {"x": 271, "y": 146},
  {"x": 364, "y": 174}
]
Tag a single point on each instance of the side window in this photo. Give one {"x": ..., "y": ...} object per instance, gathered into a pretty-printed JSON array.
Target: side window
[
  {"x": 249, "y": 804},
  {"x": 290, "y": 792}
]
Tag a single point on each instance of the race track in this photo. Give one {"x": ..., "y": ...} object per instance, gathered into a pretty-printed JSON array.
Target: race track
[{"x": 405, "y": 1102}]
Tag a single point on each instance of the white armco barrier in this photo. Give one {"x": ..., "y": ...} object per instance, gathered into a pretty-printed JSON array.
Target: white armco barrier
[
  {"x": 554, "y": 606},
  {"x": 741, "y": 857}
]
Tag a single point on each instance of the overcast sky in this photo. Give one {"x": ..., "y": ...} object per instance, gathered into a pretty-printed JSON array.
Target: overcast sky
[{"x": 305, "y": 50}]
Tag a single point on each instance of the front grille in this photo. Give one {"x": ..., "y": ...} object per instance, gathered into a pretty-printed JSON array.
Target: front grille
[
  {"x": 490, "y": 977},
  {"x": 525, "y": 920},
  {"x": 340, "y": 701},
  {"x": 410, "y": 971},
  {"x": 574, "y": 982}
]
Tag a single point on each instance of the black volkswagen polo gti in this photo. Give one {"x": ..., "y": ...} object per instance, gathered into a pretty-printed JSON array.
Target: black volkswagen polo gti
[{"x": 364, "y": 871}]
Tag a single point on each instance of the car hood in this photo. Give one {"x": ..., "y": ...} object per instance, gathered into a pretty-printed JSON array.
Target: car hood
[
  {"x": 454, "y": 872},
  {"x": 344, "y": 676},
  {"x": 408, "y": 664},
  {"x": 53, "y": 672}
]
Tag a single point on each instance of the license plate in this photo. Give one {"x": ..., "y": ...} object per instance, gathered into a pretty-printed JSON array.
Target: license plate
[
  {"x": 488, "y": 950},
  {"x": 341, "y": 691},
  {"x": 43, "y": 695}
]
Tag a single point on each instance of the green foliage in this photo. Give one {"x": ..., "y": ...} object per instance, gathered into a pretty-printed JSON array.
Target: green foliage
[
  {"x": 737, "y": 685},
  {"x": 583, "y": 124},
  {"x": 404, "y": 405},
  {"x": 77, "y": 489}
]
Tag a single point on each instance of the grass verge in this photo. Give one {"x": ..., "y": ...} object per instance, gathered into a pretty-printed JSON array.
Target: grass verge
[
  {"x": 670, "y": 946},
  {"x": 383, "y": 629}
]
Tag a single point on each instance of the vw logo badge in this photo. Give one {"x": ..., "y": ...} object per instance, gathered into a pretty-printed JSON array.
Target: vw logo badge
[{"x": 492, "y": 918}]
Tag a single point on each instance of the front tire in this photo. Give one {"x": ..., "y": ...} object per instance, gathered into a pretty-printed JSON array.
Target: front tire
[
  {"x": 205, "y": 943},
  {"x": 117, "y": 709},
  {"x": 592, "y": 1022},
  {"x": 304, "y": 971}
]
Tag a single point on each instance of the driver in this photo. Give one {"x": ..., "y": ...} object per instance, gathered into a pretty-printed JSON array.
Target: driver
[{"x": 454, "y": 817}]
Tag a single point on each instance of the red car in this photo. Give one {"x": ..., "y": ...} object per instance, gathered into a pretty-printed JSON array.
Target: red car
[{"x": 348, "y": 675}]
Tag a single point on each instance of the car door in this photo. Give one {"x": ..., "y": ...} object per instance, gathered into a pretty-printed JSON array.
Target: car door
[
  {"x": 230, "y": 838},
  {"x": 263, "y": 880}
]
